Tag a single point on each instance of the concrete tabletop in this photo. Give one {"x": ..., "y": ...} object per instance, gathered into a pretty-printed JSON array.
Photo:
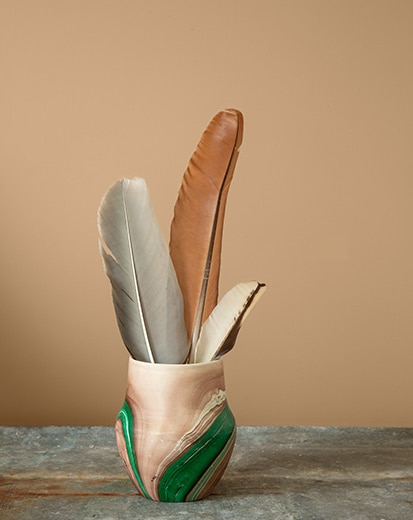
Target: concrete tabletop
[{"x": 288, "y": 473}]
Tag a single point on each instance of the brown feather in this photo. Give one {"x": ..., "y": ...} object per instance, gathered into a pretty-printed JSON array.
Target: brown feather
[{"x": 196, "y": 229}]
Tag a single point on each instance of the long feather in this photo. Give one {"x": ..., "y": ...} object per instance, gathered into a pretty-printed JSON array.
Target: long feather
[
  {"x": 196, "y": 229},
  {"x": 146, "y": 295},
  {"x": 220, "y": 330}
]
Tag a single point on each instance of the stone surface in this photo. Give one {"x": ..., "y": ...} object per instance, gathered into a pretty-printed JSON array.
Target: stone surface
[{"x": 289, "y": 473}]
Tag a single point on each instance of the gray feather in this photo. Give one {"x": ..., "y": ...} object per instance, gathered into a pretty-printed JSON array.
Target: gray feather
[{"x": 147, "y": 298}]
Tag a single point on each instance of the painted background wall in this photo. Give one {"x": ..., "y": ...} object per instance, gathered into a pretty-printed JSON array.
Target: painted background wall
[{"x": 320, "y": 207}]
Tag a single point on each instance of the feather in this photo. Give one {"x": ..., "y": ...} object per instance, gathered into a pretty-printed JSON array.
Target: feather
[
  {"x": 146, "y": 295},
  {"x": 196, "y": 229},
  {"x": 220, "y": 330}
]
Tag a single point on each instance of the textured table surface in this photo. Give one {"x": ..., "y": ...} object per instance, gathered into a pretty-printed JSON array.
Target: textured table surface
[{"x": 275, "y": 472}]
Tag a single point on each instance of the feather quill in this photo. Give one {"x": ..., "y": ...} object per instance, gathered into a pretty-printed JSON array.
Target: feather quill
[
  {"x": 220, "y": 330},
  {"x": 196, "y": 229},
  {"x": 146, "y": 295}
]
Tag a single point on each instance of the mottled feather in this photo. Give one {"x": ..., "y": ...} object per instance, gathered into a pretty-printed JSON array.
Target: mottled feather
[{"x": 220, "y": 330}]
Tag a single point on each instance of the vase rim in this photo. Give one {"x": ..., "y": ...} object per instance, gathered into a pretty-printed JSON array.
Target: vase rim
[{"x": 177, "y": 366}]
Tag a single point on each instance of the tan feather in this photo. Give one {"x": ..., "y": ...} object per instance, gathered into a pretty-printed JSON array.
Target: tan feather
[{"x": 196, "y": 229}]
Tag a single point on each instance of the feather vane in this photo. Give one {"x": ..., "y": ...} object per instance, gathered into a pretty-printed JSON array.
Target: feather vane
[
  {"x": 146, "y": 295},
  {"x": 196, "y": 229},
  {"x": 220, "y": 330}
]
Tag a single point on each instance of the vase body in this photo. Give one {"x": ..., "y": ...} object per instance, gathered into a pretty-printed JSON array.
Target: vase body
[{"x": 175, "y": 432}]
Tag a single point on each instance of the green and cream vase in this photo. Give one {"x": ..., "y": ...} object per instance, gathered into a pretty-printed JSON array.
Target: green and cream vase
[{"x": 175, "y": 432}]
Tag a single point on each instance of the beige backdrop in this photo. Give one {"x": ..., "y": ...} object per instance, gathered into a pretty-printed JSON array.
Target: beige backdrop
[{"x": 320, "y": 207}]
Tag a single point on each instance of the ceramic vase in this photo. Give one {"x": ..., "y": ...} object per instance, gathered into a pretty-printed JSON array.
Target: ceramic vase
[{"x": 175, "y": 431}]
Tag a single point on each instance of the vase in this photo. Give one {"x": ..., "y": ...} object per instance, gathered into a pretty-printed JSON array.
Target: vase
[{"x": 175, "y": 432}]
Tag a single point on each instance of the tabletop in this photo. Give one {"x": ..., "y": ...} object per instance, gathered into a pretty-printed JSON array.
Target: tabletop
[{"x": 291, "y": 473}]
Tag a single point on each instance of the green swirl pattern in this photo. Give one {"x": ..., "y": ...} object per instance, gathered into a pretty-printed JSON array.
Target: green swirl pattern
[{"x": 186, "y": 478}]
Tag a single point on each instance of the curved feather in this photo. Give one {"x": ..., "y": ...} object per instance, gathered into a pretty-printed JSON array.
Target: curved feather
[
  {"x": 146, "y": 295},
  {"x": 196, "y": 229},
  {"x": 220, "y": 330}
]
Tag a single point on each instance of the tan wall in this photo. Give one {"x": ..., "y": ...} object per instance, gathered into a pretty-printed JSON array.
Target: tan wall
[{"x": 320, "y": 207}]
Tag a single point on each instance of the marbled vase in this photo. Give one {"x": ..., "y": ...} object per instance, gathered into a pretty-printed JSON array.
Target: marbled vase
[{"x": 175, "y": 432}]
